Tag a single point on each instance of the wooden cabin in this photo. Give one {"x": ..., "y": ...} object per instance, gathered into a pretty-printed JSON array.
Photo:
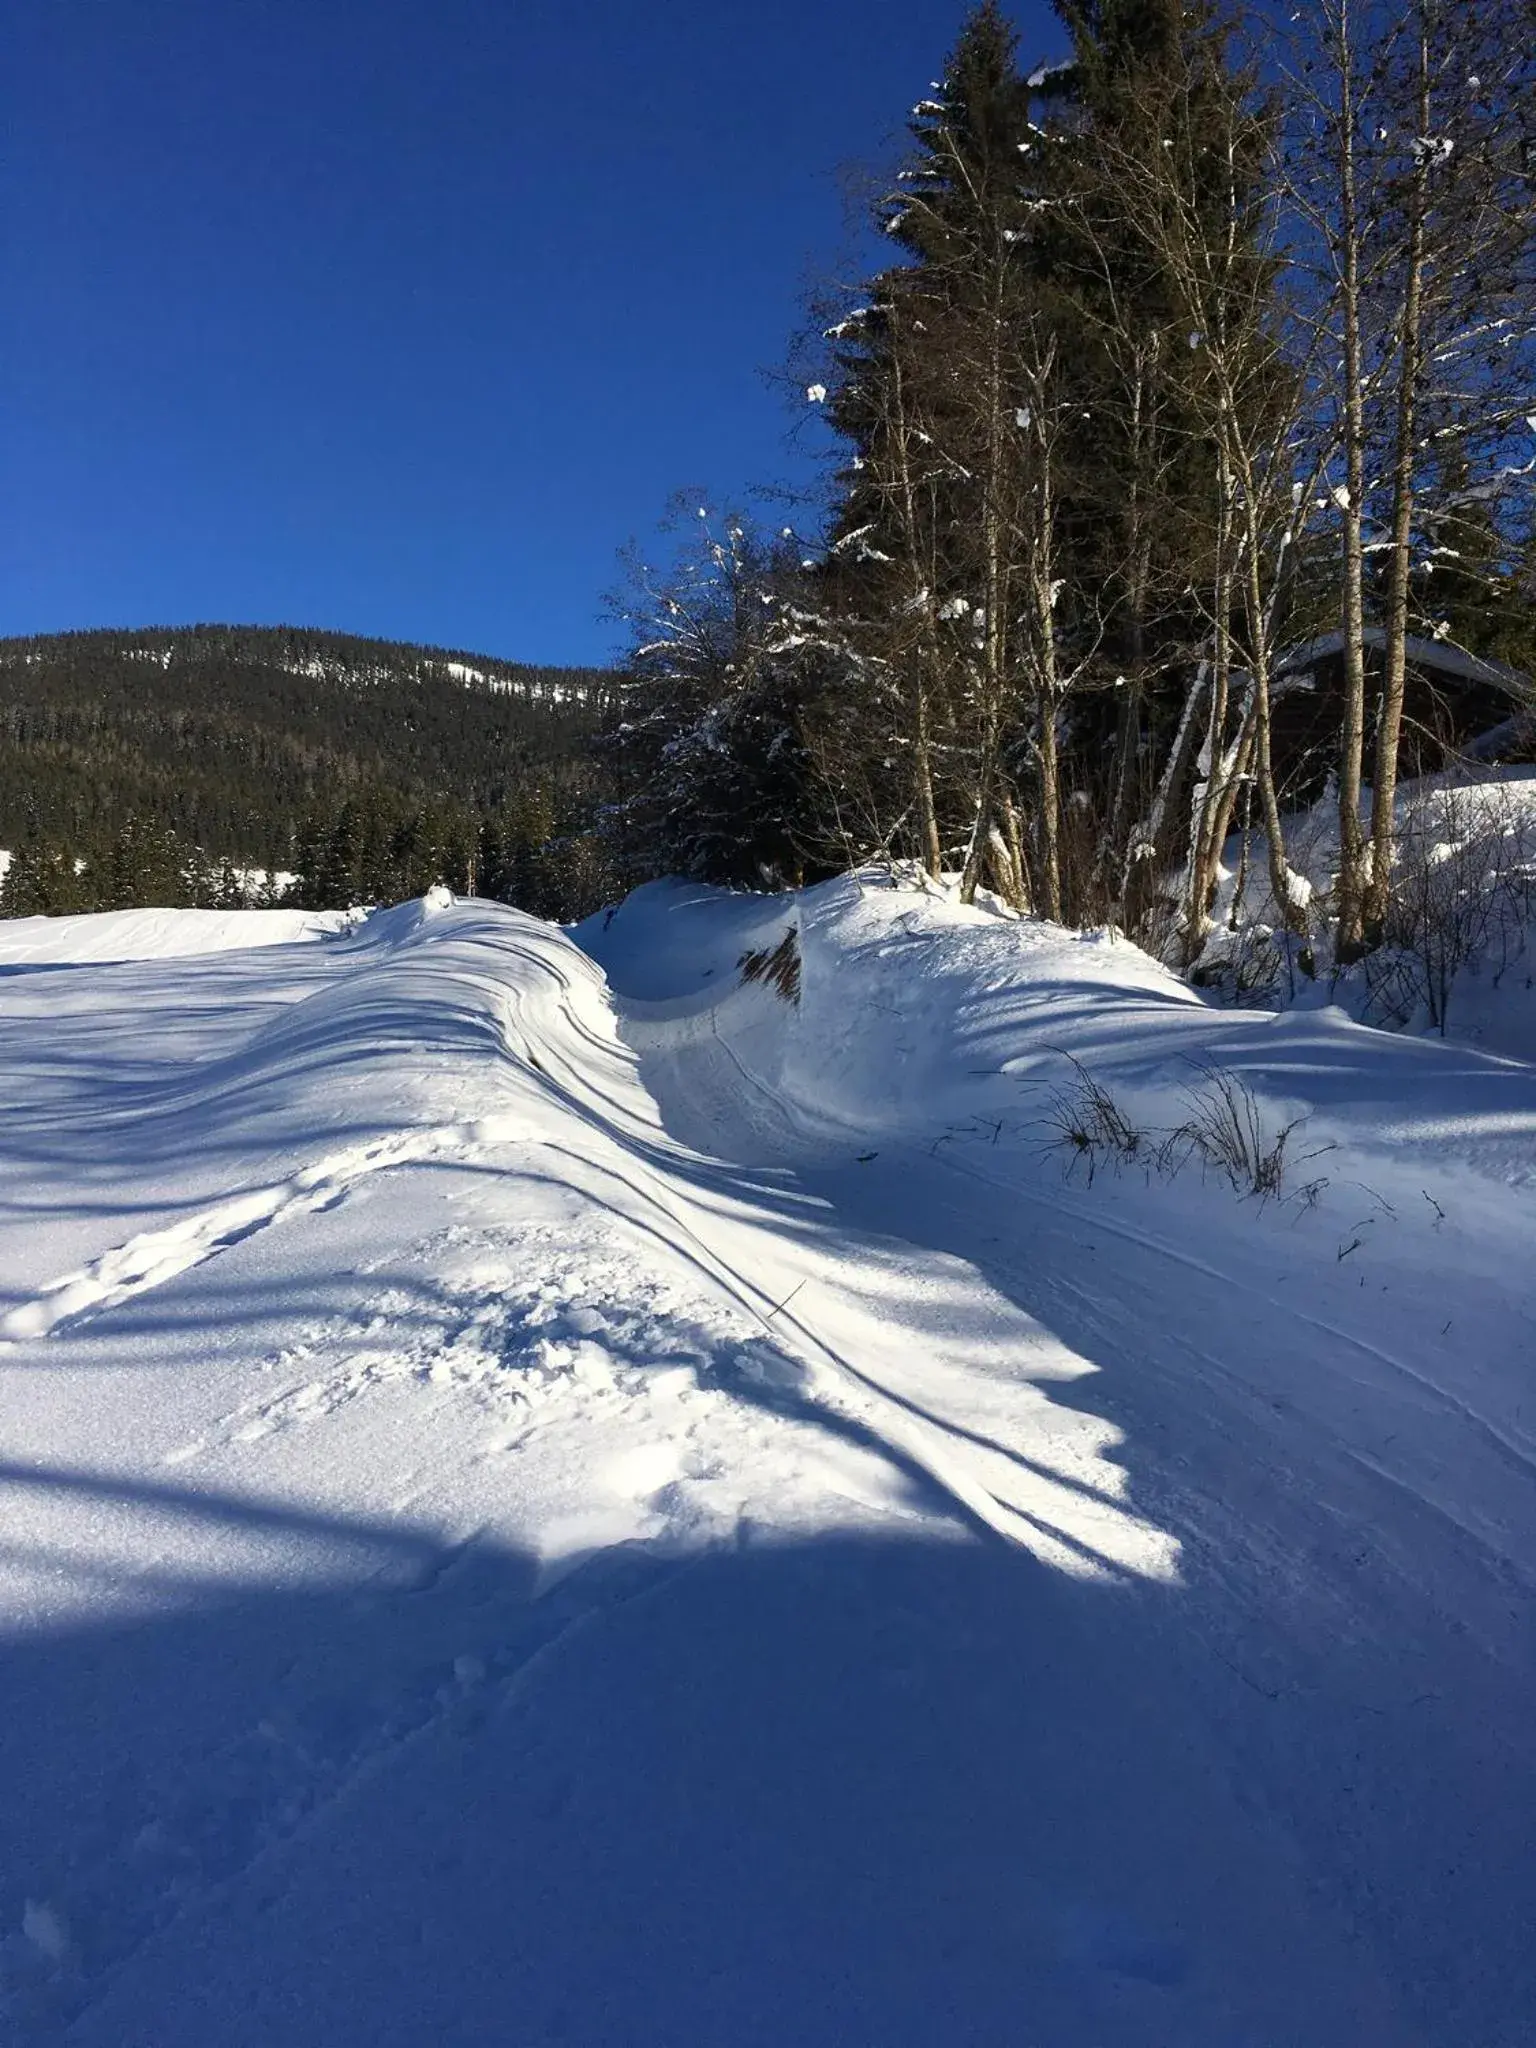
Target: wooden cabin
[{"x": 1455, "y": 706}]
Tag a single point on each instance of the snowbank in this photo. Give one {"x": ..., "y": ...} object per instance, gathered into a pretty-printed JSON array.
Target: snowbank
[
  {"x": 110, "y": 935},
  {"x": 1460, "y": 957},
  {"x": 916, "y": 1015}
]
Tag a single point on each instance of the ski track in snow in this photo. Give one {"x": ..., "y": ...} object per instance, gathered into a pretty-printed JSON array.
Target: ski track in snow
[{"x": 835, "y": 1379}]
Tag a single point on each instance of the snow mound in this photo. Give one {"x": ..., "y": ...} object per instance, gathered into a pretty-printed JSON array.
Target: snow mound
[
  {"x": 397, "y": 924},
  {"x": 118, "y": 935},
  {"x": 674, "y": 941},
  {"x": 916, "y": 1015}
]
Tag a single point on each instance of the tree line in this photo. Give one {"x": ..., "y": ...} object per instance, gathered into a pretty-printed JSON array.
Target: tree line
[{"x": 1214, "y": 336}]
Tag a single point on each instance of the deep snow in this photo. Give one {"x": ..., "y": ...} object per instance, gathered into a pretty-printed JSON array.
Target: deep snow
[
  {"x": 551, "y": 1495},
  {"x": 1461, "y": 957}
]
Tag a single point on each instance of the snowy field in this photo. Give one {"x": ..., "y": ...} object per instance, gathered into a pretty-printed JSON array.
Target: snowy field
[{"x": 553, "y": 1494}]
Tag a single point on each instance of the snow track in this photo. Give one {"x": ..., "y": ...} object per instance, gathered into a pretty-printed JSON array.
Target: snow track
[
  {"x": 156, "y": 1256},
  {"x": 1339, "y": 1463},
  {"x": 503, "y": 1465}
]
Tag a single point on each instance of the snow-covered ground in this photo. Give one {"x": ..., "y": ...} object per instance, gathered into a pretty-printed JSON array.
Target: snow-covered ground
[
  {"x": 555, "y": 1495},
  {"x": 1460, "y": 961}
]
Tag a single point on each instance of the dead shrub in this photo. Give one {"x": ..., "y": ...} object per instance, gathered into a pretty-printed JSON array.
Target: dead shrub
[
  {"x": 778, "y": 966},
  {"x": 1228, "y": 1131},
  {"x": 1084, "y": 1120}
]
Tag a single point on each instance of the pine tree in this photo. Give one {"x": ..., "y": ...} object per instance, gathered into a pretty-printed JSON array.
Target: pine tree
[
  {"x": 926, "y": 388},
  {"x": 42, "y": 878},
  {"x": 339, "y": 880},
  {"x": 146, "y": 867},
  {"x": 1028, "y": 512}
]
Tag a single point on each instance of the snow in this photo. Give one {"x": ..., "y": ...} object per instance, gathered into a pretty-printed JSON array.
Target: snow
[
  {"x": 1461, "y": 962},
  {"x": 554, "y": 1493},
  {"x": 536, "y": 686},
  {"x": 1440, "y": 657},
  {"x": 257, "y": 881},
  {"x": 120, "y": 935}
]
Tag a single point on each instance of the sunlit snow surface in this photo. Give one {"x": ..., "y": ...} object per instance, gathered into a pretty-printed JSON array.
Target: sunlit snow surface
[{"x": 552, "y": 1495}]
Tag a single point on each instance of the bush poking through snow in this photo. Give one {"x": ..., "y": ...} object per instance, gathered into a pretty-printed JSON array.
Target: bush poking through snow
[
  {"x": 1246, "y": 964},
  {"x": 1089, "y": 1125},
  {"x": 1226, "y": 1130},
  {"x": 778, "y": 965}
]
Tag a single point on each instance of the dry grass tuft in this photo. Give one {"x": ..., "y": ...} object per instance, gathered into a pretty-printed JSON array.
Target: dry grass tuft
[
  {"x": 1226, "y": 1129},
  {"x": 778, "y": 966}
]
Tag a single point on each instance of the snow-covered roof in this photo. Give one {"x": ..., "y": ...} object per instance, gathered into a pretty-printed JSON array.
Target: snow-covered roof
[
  {"x": 1516, "y": 733},
  {"x": 1444, "y": 657}
]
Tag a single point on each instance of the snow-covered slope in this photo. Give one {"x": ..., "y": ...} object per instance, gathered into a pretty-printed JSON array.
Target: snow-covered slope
[
  {"x": 1460, "y": 957},
  {"x": 111, "y": 935},
  {"x": 554, "y": 1495}
]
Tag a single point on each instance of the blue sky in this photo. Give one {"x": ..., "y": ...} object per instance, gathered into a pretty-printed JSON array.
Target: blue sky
[{"x": 404, "y": 315}]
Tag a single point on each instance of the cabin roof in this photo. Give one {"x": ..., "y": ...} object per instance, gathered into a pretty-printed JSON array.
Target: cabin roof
[{"x": 1438, "y": 657}]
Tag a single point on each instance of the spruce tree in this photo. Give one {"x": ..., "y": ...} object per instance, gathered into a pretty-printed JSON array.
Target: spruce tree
[{"x": 924, "y": 385}]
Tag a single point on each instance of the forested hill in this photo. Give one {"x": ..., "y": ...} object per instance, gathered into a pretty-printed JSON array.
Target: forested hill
[{"x": 145, "y": 763}]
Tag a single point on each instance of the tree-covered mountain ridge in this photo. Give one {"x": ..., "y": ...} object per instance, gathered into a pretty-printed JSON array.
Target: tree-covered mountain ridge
[
  {"x": 350, "y": 660},
  {"x": 160, "y": 752}
]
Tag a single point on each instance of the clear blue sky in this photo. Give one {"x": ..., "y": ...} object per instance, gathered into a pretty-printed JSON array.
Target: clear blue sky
[{"x": 404, "y": 315}]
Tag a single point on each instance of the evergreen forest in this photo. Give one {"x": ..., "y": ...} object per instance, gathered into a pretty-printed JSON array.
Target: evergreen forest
[{"x": 224, "y": 765}]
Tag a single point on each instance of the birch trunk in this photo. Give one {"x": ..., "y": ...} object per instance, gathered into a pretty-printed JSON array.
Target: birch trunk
[{"x": 1389, "y": 722}]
